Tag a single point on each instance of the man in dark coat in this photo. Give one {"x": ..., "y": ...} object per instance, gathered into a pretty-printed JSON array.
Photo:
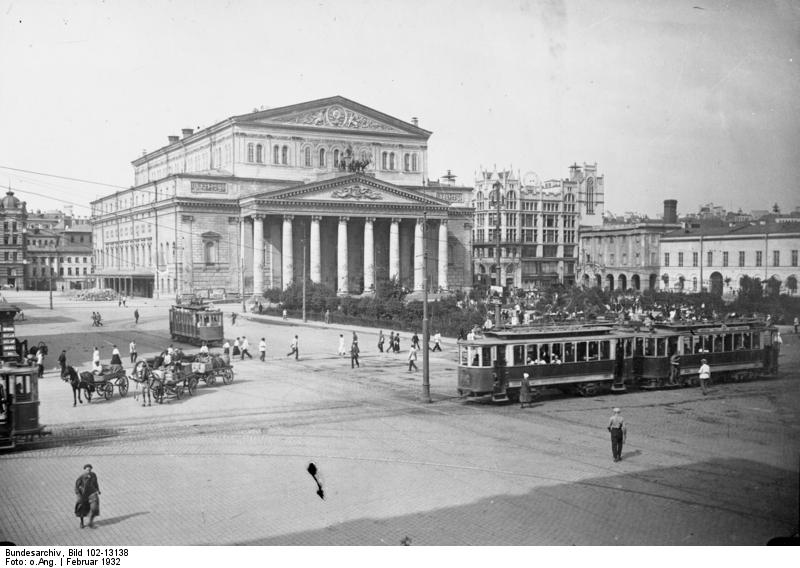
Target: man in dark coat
[
  {"x": 87, "y": 491},
  {"x": 62, "y": 360}
]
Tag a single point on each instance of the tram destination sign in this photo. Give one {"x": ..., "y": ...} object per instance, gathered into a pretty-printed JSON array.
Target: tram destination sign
[{"x": 208, "y": 187}]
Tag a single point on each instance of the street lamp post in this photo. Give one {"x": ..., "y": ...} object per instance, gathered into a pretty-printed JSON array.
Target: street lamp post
[
  {"x": 497, "y": 187},
  {"x": 304, "y": 281},
  {"x": 426, "y": 332}
]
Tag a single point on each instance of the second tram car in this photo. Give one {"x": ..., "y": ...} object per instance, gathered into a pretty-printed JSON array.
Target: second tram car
[
  {"x": 195, "y": 323},
  {"x": 587, "y": 358}
]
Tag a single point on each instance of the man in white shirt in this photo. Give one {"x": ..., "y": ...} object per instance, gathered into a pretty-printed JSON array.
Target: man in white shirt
[
  {"x": 437, "y": 342},
  {"x": 295, "y": 346},
  {"x": 204, "y": 349},
  {"x": 705, "y": 376},
  {"x": 245, "y": 348},
  {"x": 132, "y": 351},
  {"x": 262, "y": 349},
  {"x": 96, "y": 355}
]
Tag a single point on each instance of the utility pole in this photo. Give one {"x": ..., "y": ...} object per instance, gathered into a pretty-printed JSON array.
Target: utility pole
[
  {"x": 304, "y": 280},
  {"x": 426, "y": 332},
  {"x": 497, "y": 187}
]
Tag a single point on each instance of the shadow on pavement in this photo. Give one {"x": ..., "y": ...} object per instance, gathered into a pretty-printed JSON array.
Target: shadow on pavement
[
  {"x": 121, "y": 518},
  {"x": 715, "y": 502}
]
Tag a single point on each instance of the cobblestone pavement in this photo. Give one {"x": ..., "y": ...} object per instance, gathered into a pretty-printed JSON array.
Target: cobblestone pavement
[{"x": 228, "y": 466}]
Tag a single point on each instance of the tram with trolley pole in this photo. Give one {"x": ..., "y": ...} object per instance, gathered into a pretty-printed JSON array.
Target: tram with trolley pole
[
  {"x": 19, "y": 387},
  {"x": 587, "y": 359},
  {"x": 196, "y": 322}
]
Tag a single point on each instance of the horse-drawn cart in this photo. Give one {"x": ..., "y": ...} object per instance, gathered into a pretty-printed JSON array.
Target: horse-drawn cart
[
  {"x": 167, "y": 381},
  {"x": 210, "y": 368},
  {"x": 111, "y": 376}
]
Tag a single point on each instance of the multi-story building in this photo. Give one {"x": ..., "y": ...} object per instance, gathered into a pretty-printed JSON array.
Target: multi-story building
[
  {"x": 329, "y": 188},
  {"x": 717, "y": 258},
  {"x": 13, "y": 216},
  {"x": 58, "y": 251},
  {"x": 622, "y": 256},
  {"x": 538, "y": 225}
]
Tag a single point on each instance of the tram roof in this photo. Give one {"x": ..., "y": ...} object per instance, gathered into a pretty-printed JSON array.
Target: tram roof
[
  {"x": 719, "y": 326},
  {"x": 553, "y": 330},
  {"x": 196, "y": 307}
]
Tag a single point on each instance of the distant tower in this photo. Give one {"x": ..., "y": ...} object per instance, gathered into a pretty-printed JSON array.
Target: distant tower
[{"x": 670, "y": 210}]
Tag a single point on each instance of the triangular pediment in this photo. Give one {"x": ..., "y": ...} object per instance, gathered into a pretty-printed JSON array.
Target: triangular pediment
[
  {"x": 335, "y": 113},
  {"x": 355, "y": 189}
]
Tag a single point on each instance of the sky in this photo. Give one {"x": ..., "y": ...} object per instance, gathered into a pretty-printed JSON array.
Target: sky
[{"x": 695, "y": 100}]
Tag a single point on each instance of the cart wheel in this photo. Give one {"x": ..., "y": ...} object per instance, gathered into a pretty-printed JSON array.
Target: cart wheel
[
  {"x": 179, "y": 392},
  {"x": 192, "y": 385},
  {"x": 123, "y": 386},
  {"x": 227, "y": 376},
  {"x": 108, "y": 391},
  {"x": 211, "y": 380}
]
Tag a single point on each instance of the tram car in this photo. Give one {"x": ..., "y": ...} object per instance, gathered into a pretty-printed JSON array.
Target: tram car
[
  {"x": 586, "y": 359},
  {"x": 19, "y": 388},
  {"x": 195, "y": 323}
]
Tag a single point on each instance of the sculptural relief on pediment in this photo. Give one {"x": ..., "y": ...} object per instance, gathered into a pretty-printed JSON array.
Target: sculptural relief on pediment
[
  {"x": 337, "y": 116},
  {"x": 356, "y": 192}
]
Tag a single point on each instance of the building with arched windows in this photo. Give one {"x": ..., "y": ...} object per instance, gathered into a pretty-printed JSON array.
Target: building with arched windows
[
  {"x": 343, "y": 195},
  {"x": 538, "y": 225}
]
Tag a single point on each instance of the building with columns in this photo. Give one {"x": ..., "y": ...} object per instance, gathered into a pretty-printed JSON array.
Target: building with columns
[
  {"x": 329, "y": 188},
  {"x": 538, "y": 224}
]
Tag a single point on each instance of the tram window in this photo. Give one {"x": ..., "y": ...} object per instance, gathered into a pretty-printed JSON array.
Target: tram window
[
  {"x": 593, "y": 351},
  {"x": 746, "y": 340},
  {"x": 474, "y": 356},
  {"x": 661, "y": 347},
  {"x": 628, "y": 348},
  {"x": 639, "y": 348},
  {"x": 718, "y": 344},
  {"x": 756, "y": 340},
  {"x": 687, "y": 344},
  {"x": 581, "y": 351},
  {"x": 486, "y": 357},
  {"x": 569, "y": 353},
  {"x": 531, "y": 354},
  {"x": 22, "y": 389},
  {"x": 605, "y": 350},
  {"x": 727, "y": 342},
  {"x": 558, "y": 352},
  {"x": 519, "y": 355},
  {"x": 544, "y": 353},
  {"x": 463, "y": 355},
  {"x": 672, "y": 345},
  {"x": 705, "y": 346},
  {"x": 649, "y": 347},
  {"x": 501, "y": 355}
]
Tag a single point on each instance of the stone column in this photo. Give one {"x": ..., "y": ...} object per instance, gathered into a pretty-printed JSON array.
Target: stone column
[
  {"x": 341, "y": 257},
  {"x": 258, "y": 254},
  {"x": 443, "y": 260},
  {"x": 314, "y": 253},
  {"x": 287, "y": 253},
  {"x": 394, "y": 249},
  {"x": 419, "y": 261},
  {"x": 369, "y": 255}
]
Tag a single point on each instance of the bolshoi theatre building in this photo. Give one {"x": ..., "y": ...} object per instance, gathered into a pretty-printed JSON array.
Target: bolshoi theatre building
[{"x": 329, "y": 188}]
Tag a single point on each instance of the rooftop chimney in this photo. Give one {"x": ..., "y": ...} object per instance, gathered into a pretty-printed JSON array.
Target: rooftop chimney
[
  {"x": 173, "y": 139},
  {"x": 670, "y": 210},
  {"x": 414, "y": 121},
  {"x": 186, "y": 132}
]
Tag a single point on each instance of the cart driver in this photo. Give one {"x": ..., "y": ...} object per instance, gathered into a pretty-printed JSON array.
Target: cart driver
[
  {"x": 97, "y": 367},
  {"x": 204, "y": 349}
]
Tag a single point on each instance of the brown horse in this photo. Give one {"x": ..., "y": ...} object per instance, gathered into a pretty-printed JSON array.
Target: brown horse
[{"x": 79, "y": 381}]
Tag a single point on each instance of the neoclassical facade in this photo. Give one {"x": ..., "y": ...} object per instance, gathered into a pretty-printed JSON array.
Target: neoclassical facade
[{"x": 329, "y": 188}]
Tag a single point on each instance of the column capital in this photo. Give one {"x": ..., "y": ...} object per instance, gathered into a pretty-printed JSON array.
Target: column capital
[
  {"x": 344, "y": 220},
  {"x": 442, "y": 222},
  {"x": 257, "y": 217},
  {"x": 396, "y": 220},
  {"x": 316, "y": 218},
  {"x": 288, "y": 217},
  {"x": 421, "y": 221},
  {"x": 369, "y": 219}
]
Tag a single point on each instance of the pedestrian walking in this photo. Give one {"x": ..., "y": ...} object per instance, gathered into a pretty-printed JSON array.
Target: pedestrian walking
[
  {"x": 116, "y": 359},
  {"x": 94, "y": 319},
  {"x": 341, "y": 352},
  {"x": 295, "y": 346},
  {"x": 226, "y": 351},
  {"x": 354, "y": 351},
  {"x": 96, "y": 356},
  {"x": 397, "y": 343},
  {"x": 705, "y": 375},
  {"x": 40, "y": 362},
  {"x": 437, "y": 342},
  {"x": 616, "y": 425},
  {"x": 525, "y": 395},
  {"x": 327, "y": 316},
  {"x": 391, "y": 342},
  {"x": 245, "y": 348},
  {"x": 674, "y": 368},
  {"x": 415, "y": 340},
  {"x": 62, "y": 360},
  {"x": 125, "y": 301},
  {"x": 412, "y": 358},
  {"x": 233, "y": 318},
  {"x": 99, "y": 320},
  {"x": 119, "y": 302},
  {"x": 87, "y": 491},
  {"x": 236, "y": 350},
  {"x": 285, "y": 313},
  {"x": 136, "y": 316},
  {"x": 132, "y": 351},
  {"x": 262, "y": 349},
  {"x": 355, "y": 337},
  {"x": 796, "y": 324},
  {"x": 381, "y": 340}
]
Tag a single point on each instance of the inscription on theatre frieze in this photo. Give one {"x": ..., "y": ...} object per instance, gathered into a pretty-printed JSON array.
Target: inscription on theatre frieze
[
  {"x": 451, "y": 197},
  {"x": 357, "y": 192},
  {"x": 337, "y": 116},
  {"x": 208, "y": 187}
]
